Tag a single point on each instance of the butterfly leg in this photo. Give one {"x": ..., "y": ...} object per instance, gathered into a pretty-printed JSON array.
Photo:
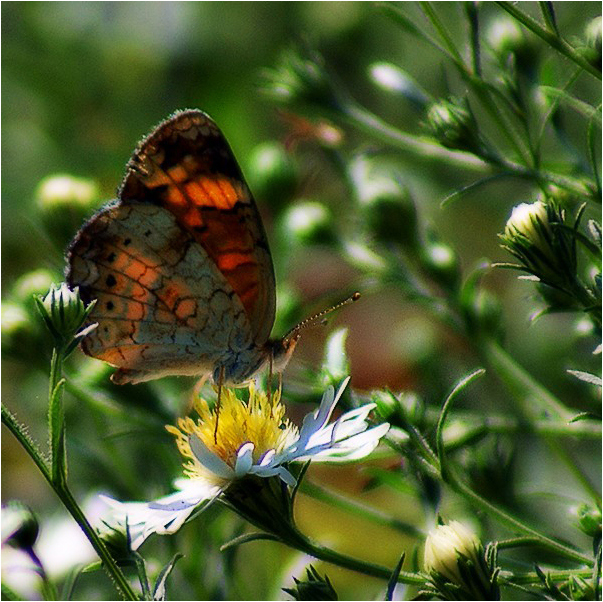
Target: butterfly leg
[
  {"x": 218, "y": 403},
  {"x": 270, "y": 360}
]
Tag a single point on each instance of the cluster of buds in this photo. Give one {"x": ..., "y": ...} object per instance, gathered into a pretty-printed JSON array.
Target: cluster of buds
[{"x": 457, "y": 566}]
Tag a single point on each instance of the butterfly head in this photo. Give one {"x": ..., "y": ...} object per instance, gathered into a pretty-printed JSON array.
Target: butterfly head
[{"x": 281, "y": 350}]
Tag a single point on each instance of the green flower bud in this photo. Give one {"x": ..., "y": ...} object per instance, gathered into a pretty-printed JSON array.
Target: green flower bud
[
  {"x": 486, "y": 312},
  {"x": 543, "y": 249},
  {"x": 64, "y": 313},
  {"x": 20, "y": 335},
  {"x": 589, "y": 520},
  {"x": 20, "y": 527},
  {"x": 392, "y": 79},
  {"x": 454, "y": 560},
  {"x": 32, "y": 283},
  {"x": 453, "y": 124},
  {"x": 388, "y": 210},
  {"x": 314, "y": 587},
  {"x": 309, "y": 222},
  {"x": 441, "y": 263},
  {"x": 302, "y": 82},
  {"x": 273, "y": 175},
  {"x": 402, "y": 409},
  {"x": 335, "y": 366},
  {"x": 14, "y": 319},
  {"x": 592, "y": 52},
  {"x": 61, "y": 192},
  {"x": 64, "y": 201}
]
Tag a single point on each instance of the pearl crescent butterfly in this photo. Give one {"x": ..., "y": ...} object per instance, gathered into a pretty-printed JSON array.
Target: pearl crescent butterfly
[{"x": 180, "y": 264}]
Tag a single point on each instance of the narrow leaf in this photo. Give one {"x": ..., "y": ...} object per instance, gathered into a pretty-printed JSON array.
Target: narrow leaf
[{"x": 159, "y": 591}]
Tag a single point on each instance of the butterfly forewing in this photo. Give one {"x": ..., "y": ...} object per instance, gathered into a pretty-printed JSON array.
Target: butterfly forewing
[
  {"x": 180, "y": 263},
  {"x": 187, "y": 167}
]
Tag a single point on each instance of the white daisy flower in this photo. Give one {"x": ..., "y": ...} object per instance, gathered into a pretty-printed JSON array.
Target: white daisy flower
[{"x": 246, "y": 439}]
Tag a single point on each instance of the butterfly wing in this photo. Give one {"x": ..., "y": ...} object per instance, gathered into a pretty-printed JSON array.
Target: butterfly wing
[
  {"x": 162, "y": 305},
  {"x": 187, "y": 167},
  {"x": 179, "y": 264}
]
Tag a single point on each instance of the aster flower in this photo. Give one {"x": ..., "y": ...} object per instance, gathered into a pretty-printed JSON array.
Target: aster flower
[{"x": 242, "y": 455}]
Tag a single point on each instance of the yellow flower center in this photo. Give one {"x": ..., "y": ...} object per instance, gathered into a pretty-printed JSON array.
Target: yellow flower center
[{"x": 258, "y": 420}]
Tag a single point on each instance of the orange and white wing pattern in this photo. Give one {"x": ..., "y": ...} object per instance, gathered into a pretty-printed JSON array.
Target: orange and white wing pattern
[{"x": 180, "y": 263}]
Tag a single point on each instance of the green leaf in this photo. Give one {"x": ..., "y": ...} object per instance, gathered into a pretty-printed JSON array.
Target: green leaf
[
  {"x": 257, "y": 536},
  {"x": 586, "y": 110},
  {"x": 393, "y": 581},
  {"x": 159, "y": 591},
  {"x": 57, "y": 432},
  {"x": 587, "y": 377}
]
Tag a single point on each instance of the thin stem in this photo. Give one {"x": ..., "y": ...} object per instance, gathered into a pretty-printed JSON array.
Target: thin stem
[
  {"x": 69, "y": 502},
  {"x": 368, "y": 122},
  {"x": 515, "y": 524},
  {"x": 367, "y": 568},
  {"x": 551, "y": 38},
  {"x": 508, "y": 578},
  {"x": 533, "y": 397},
  {"x": 337, "y": 500},
  {"x": 56, "y": 418}
]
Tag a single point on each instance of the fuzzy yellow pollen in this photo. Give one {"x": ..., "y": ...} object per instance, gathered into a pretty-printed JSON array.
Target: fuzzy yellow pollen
[{"x": 257, "y": 420}]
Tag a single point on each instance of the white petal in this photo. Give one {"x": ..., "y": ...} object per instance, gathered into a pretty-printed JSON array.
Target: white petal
[
  {"x": 353, "y": 448},
  {"x": 316, "y": 420},
  {"x": 165, "y": 515},
  {"x": 244, "y": 459},
  {"x": 272, "y": 471},
  {"x": 209, "y": 459},
  {"x": 267, "y": 458}
]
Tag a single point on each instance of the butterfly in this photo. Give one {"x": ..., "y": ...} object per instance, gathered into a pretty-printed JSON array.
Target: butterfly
[{"x": 180, "y": 264}]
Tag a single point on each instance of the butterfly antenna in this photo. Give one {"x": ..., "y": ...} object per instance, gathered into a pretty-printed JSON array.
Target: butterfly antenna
[{"x": 319, "y": 317}]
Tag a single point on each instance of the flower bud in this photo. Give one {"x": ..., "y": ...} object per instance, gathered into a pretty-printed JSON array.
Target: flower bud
[
  {"x": 64, "y": 201},
  {"x": 314, "y": 587},
  {"x": 20, "y": 335},
  {"x": 589, "y": 520},
  {"x": 20, "y": 527},
  {"x": 335, "y": 366},
  {"x": 301, "y": 81},
  {"x": 32, "y": 283},
  {"x": 453, "y": 124},
  {"x": 592, "y": 52},
  {"x": 506, "y": 39},
  {"x": 64, "y": 313},
  {"x": 392, "y": 79},
  {"x": 273, "y": 176},
  {"x": 441, "y": 263},
  {"x": 309, "y": 222},
  {"x": 62, "y": 192},
  {"x": 454, "y": 558},
  {"x": 545, "y": 250},
  {"x": 388, "y": 210}
]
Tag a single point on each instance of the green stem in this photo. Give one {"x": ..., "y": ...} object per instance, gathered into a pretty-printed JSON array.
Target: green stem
[
  {"x": 368, "y": 122},
  {"x": 514, "y": 523},
  {"x": 56, "y": 419},
  {"x": 337, "y": 500},
  {"x": 70, "y": 504},
  {"x": 534, "y": 398},
  {"x": 550, "y": 37},
  {"x": 514, "y": 578},
  {"x": 367, "y": 568}
]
